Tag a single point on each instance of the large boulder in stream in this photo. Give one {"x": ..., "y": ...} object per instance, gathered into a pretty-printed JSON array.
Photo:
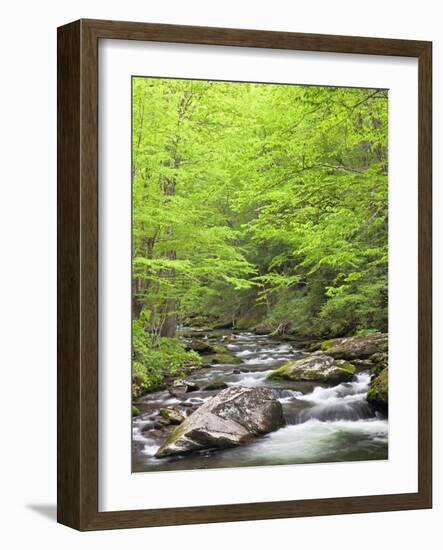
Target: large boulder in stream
[
  {"x": 354, "y": 347},
  {"x": 316, "y": 367},
  {"x": 234, "y": 416},
  {"x": 377, "y": 394}
]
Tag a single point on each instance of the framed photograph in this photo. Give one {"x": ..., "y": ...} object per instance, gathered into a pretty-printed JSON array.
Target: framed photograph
[{"x": 244, "y": 275}]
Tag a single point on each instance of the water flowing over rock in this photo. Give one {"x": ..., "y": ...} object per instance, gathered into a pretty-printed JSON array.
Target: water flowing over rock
[
  {"x": 316, "y": 367},
  {"x": 233, "y": 417}
]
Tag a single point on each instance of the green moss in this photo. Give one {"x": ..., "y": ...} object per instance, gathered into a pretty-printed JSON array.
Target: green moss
[
  {"x": 378, "y": 391},
  {"x": 294, "y": 371},
  {"x": 348, "y": 368},
  {"x": 321, "y": 346},
  {"x": 220, "y": 349},
  {"x": 281, "y": 373},
  {"x": 173, "y": 436},
  {"x": 135, "y": 410},
  {"x": 221, "y": 358},
  {"x": 171, "y": 416}
]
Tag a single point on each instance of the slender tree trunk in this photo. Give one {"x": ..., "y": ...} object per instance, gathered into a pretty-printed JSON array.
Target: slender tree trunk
[{"x": 169, "y": 327}]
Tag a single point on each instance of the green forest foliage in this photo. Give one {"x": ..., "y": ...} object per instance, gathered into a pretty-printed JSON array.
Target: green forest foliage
[{"x": 264, "y": 205}]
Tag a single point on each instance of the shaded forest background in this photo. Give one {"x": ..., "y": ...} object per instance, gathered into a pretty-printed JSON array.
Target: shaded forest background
[{"x": 256, "y": 206}]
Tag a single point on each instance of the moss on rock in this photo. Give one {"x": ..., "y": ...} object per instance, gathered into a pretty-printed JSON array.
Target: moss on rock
[
  {"x": 221, "y": 358},
  {"x": 171, "y": 416},
  {"x": 378, "y": 392},
  {"x": 216, "y": 385},
  {"x": 316, "y": 367}
]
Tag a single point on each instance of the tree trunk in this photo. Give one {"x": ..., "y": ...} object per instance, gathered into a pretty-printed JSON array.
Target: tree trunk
[{"x": 169, "y": 327}]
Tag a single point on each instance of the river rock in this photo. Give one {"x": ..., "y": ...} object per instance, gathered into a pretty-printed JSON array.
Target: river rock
[
  {"x": 200, "y": 346},
  {"x": 262, "y": 330},
  {"x": 171, "y": 416},
  {"x": 354, "y": 347},
  {"x": 316, "y": 367},
  {"x": 232, "y": 417},
  {"x": 221, "y": 358},
  {"x": 377, "y": 394},
  {"x": 180, "y": 387},
  {"x": 222, "y": 325},
  {"x": 216, "y": 385}
]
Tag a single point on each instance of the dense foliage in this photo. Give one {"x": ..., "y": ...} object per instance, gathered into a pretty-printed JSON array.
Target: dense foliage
[
  {"x": 156, "y": 360},
  {"x": 258, "y": 204}
]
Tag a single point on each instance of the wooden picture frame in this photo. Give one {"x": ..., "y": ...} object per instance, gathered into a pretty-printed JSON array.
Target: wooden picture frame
[{"x": 78, "y": 274}]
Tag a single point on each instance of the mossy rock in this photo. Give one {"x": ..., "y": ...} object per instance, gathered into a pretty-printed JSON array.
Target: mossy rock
[
  {"x": 263, "y": 330},
  {"x": 316, "y": 368},
  {"x": 356, "y": 347},
  {"x": 380, "y": 361},
  {"x": 216, "y": 385},
  {"x": 324, "y": 345},
  {"x": 171, "y": 416},
  {"x": 378, "y": 392},
  {"x": 221, "y": 324},
  {"x": 218, "y": 348},
  {"x": 200, "y": 346},
  {"x": 135, "y": 410},
  {"x": 221, "y": 358}
]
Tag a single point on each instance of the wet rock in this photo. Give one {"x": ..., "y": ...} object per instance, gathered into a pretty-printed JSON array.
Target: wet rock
[
  {"x": 180, "y": 387},
  {"x": 363, "y": 364},
  {"x": 216, "y": 385},
  {"x": 262, "y": 330},
  {"x": 380, "y": 361},
  {"x": 377, "y": 395},
  {"x": 163, "y": 427},
  {"x": 221, "y": 358},
  {"x": 234, "y": 416},
  {"x": 222, "y": 325},
  {"x": 200, "y": 346},
  {"x": 218, "y": 348},
  {"x": 171, "y": 416},
  {"x": 147, "y": 427},
  {"x": 354, "y": 347},
  {"x": 316, "y": 367},
  {"x": 158, "y": 425}
]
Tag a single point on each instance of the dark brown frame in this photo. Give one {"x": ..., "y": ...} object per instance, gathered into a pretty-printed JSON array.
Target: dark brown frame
[{"x": 77, "y": 173}]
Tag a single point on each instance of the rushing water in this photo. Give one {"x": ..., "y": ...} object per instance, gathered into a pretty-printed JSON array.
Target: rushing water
[{"x": 324, "y": 423}]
